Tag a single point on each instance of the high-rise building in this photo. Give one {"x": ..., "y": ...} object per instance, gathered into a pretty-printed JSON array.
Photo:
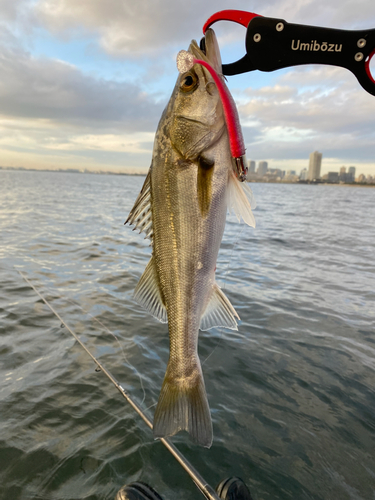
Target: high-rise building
[
  {"x": 342, "y": 174},
  {"x": 334, "y": 176},
  {"x": 275, "y": 172},
  {"x": 262, "y": 168},
  {"x": 315, "y": 164},
  {"x": 251, "y": 166},
  {"x": 361, "y": 178},
  {"x": 350, "y": 176},
  {"x": 303, "y": 174}
]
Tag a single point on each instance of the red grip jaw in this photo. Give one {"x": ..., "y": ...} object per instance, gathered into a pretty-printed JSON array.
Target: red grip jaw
[{"x": 237, "y": 16}]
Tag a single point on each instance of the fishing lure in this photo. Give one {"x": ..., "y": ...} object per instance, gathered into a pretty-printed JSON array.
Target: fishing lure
[{"x": 185, "y": 61}]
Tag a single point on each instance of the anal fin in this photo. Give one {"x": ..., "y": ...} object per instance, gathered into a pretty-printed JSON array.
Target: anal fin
[{"x": 219, "y": 311}]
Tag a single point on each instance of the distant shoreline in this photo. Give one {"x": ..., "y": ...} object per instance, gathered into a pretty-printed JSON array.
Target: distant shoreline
[
  {"x": 73, "y": 171},
  {"x": 144, "y": 173}
]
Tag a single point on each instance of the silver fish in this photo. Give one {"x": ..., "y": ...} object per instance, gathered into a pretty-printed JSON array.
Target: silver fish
[{"x": 182, "y": 208}]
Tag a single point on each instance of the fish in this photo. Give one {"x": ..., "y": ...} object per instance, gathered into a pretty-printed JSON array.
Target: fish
[{"x": 182, "y": 209}]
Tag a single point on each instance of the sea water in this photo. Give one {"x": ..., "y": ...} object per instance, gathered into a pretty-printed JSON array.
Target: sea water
[{"x": 292, "y": 392}]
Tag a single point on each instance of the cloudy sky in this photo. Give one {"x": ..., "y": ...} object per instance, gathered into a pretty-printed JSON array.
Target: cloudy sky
[{"x": 83, "y": 83}]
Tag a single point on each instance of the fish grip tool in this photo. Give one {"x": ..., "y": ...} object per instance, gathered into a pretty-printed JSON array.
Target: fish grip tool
[{"x": 273, "y": 43}]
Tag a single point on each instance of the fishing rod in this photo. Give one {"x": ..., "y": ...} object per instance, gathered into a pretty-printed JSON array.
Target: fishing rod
[{"x": 228, "y": 487}]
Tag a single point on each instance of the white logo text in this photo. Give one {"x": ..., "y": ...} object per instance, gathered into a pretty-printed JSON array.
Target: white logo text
[{"x": 315, "y": 46}]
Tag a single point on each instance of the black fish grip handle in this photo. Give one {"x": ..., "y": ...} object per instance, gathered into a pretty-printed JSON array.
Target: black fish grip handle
[{"x": 274, "y": 44}]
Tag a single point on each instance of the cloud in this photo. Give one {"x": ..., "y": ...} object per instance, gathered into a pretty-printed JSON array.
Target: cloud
[
  {"x": 41, "y": 143},
  {"x": 135, "y": 29},
  {"x": 307, "y": 109},
  {"x": 14, "y": 10},
  {"x": 54, "y": 114},
  {"x": 128, "y": 28},
  {"x": 131, "y": 28},
  {"x": 43, "y": 88},
  {"x": 335, "y": 13}
]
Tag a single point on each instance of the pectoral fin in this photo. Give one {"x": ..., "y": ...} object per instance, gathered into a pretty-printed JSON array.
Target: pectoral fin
[
  {"x": 147, "y": 293},
  {"x": 219, "y": 311},
  {"x": 204, "y": 184},
  {"x": 241, "y": 200}
]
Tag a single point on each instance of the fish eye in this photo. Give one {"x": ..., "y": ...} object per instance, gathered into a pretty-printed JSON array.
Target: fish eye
[{"x": 188, "y": 82}]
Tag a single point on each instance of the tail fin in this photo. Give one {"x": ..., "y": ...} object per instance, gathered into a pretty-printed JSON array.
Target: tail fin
[{"x": 183, "y": 405}]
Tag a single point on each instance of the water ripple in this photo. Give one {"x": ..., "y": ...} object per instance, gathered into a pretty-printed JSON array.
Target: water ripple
[{"x": 291, "y": 393}]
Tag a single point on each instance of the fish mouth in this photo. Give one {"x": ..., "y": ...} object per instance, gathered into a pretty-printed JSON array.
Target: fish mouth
[
  {"x": 207, "y": 121},
  {"x": 208, "y": 51}
]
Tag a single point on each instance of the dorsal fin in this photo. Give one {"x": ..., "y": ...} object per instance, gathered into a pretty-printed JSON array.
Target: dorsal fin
[
  {"x": 141, "y": 214},
  {"x": 148, "y": 295}
]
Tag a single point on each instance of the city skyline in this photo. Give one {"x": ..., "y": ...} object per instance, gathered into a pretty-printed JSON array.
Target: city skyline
[
  {"x": 311, "y": 173},
  {"x": 271, "y": 174}
]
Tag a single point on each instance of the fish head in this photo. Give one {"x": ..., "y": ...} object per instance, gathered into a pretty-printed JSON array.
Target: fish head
[{"x": 195, "y": 109}]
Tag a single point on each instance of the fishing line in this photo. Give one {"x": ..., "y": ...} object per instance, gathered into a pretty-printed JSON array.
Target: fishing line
[
  {"x": 117, "y": 340},
  {"x": 201, "y": 483},
  {"x": 73, "y": 302},
  {"x": 151, "y": 406}
]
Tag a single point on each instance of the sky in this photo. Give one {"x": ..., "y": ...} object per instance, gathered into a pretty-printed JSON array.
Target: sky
[{"x": 83, "y": 84}]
